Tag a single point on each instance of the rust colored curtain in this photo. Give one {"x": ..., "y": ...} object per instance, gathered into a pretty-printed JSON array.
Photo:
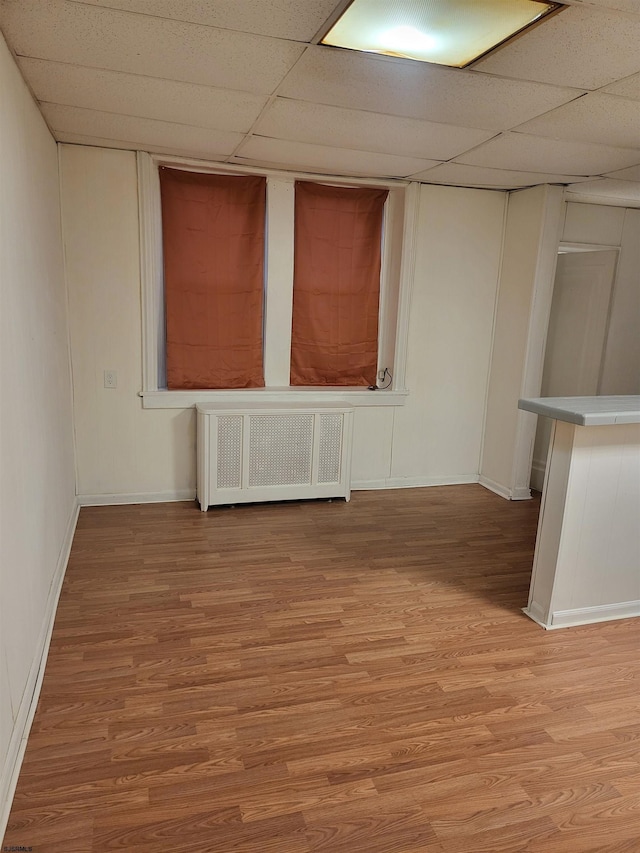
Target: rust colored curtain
[
  {"x": 334, "y": 335},
  {"x": 213, "y": 242}
]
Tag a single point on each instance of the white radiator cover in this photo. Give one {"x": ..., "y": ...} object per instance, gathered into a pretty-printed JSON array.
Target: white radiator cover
[{"x": 264, "y": 453}]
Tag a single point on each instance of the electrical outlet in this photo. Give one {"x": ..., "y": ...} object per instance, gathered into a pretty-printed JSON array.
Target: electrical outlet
[
  {"x": 110, "y": 379},
  {"x": 382, "y": 373}
]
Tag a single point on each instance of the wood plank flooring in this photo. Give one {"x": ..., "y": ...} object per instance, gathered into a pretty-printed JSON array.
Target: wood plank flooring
[{"x": 326, "y": 678}]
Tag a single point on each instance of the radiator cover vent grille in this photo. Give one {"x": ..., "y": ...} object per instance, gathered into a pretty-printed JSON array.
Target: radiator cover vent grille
[
  {"x": 330, "y": 448},
  {"x": 262, "y": 453},
  {"x": 280, "y": 450},
  {"x": 229, "y": 467}
]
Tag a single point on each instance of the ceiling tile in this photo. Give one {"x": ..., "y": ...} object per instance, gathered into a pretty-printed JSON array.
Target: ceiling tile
[
  {"x": 288, "y": 19},
  {"x": 298, "y": 155},
  {"x": 147, "y": 97},
  {"x": 121, "y": 41},
  {"x": 597, "y": 118},
  {"x": 620, "y": 5},
  {"x": 403, "y": 88},
  {"x": 586, "y": 48},
  {"x": 191, "y": 78},
  {"x": 627, "y": 88},
  {"x": 523, "y": 152},
  {"x": 479, "y": 176},
  {"x": 366, "y": 131},
  {"x": 138, "y": 132}
]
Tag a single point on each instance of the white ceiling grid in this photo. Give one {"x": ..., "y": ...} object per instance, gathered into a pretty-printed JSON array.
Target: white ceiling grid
[{"x": 243, "y": 82}]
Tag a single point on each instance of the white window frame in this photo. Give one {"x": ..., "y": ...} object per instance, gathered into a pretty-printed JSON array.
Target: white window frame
[{"x": 398, "y": 261}]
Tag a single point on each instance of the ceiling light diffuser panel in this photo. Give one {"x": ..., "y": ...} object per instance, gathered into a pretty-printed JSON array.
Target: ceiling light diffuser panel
[{"x": 446, "y": 32}]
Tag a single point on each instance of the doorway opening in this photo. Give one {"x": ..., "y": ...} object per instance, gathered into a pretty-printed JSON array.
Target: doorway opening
[{"x": 577, "y": 334}]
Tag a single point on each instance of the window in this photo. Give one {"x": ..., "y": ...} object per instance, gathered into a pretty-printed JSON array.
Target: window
[
  {"x": 213, "y": 259},
  {"x": 336, "y": 284},
  {"x": 161, "y": 390}
]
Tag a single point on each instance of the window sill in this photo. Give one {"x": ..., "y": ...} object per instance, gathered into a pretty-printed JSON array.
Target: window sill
[{"x": 277, "y": 396}]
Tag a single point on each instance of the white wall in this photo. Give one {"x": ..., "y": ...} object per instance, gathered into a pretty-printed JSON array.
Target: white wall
[
  {"x": 126, "y": 452},
  {"x": 122, "y": 449},
  {"x": 524, "y": 302},
  {"x": 37, "y": 480},
  {"x": 438, "y": 434},
  {"x": 621, "y": 367}
]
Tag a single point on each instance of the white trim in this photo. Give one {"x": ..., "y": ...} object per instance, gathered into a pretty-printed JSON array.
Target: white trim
[
  {"x": 151, "y": 294},
  {"x": 193, "y": 165},
  {"x": 358, "y": 485},
  {"x": 137, "y": 498},
  {"x": 284, "y": 396},
  {"x": 278, "y": 297},
  {"x": 414, "y": 482},
  {"x": 72, "y": 384},
  {"x": 606, "y": 200},
  {"x": 31, "y": 693},
  {"x": 494, "y": 322},
  {"x": 572, "y": 248},
  {"x": 494, "y": 487},
  {"x": 368, "y": 485},
  {"x": 535, "y": 612},
  {"x": 584, "y": 615},
  {"x": 385, "y": 361},
  {"x": 540, "y": 310},
  {"x": 407, "y": 270},
  {"x": 597, "y": 613},
  {"x": 521, "y": 493}
]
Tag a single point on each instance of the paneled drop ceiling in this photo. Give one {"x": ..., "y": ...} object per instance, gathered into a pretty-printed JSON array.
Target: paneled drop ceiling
[{"x": 245, "y": 82}]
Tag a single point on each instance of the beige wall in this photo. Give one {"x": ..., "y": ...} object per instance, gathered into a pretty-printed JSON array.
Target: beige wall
[
  {"x": 621, "y": 367},
  {"x": 524, "y": 301},
  {"x": 122, "y": 449},
  {"x": 437, "y": 435},
  {"x": 37, "y": 481},
  {"x": 125, "y": 451}
]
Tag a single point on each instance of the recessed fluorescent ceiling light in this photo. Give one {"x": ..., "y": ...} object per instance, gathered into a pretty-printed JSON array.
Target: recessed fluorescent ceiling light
[{"x": 447, "y": 32}]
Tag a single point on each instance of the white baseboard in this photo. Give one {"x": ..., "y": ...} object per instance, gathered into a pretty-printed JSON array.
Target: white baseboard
[
  {"x": 598, "y": 613},
  {"x": 367, "y": 485},
  {"x": 535, "y": 612},
  {"x": 137, "y": 498},
  {"x": 495, "y": 487},
  {"x": 31, "y": 693},
  {"x": 519, "y": 494},
  {"x": 190, "y": 495},
  {"x": 583, "y": 615},
  {"x": 413, "y": 482}
]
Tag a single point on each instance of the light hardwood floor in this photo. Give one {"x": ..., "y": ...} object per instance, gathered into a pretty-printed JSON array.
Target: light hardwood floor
[{"x": 326, "y": 678}]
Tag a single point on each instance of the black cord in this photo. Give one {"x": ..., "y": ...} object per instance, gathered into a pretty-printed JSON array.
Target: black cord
[{"x": 386, "y": 373}]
